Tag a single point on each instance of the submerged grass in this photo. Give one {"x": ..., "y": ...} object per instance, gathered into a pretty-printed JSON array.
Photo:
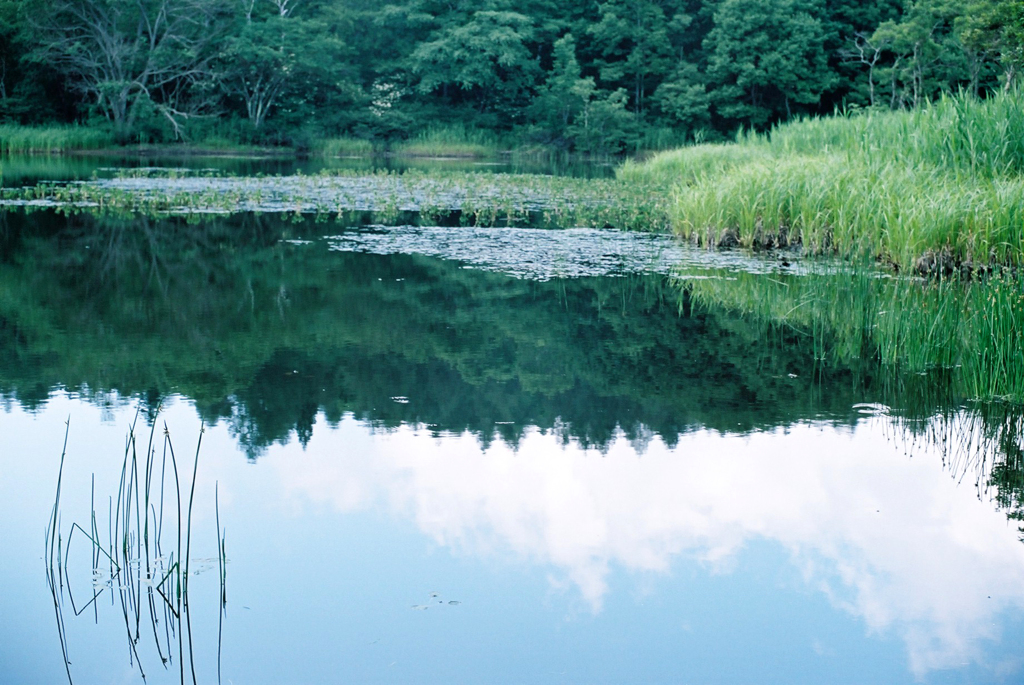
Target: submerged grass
[{"x": 934, "y": 190}]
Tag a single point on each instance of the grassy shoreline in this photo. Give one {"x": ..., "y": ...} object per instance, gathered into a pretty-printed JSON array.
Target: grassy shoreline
[
  {"x": 938, "y": 190},
  {"x": 446, "y": 142}
]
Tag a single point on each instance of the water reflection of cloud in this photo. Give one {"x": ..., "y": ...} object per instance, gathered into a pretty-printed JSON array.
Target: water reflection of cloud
[{"x": 890, "y": 539}]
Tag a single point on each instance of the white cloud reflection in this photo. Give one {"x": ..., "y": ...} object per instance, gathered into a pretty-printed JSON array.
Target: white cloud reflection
[{"x": 892, "y": 540}]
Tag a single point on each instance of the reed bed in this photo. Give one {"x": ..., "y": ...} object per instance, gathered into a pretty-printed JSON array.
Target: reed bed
[
  {"x": 935, "y": 190},
  {"x": 450, "y": 141},
  {"x": 16, "y": 139},
  {"x": 342, "y": 147},
  {"x": 688, "y": 165}
]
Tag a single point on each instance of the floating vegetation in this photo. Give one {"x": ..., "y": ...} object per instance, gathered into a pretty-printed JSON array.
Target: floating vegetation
[
  {"x": 473, "y": 199},
  {"x": 535, "y": 254},
  {"x": 543, "y": 254},
  {"x": 143, "y": 566}
]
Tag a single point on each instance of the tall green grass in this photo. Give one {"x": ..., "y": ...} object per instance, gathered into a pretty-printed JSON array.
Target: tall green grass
[
  {"x": 688, "y": 165},
  {"x": 342, "y": 147},
  {"x": 957, "y": 133},
  {"x": 450, "y": 141},
  {"x": 897, "y": 186},
  {"x": 51, "y": 139}
]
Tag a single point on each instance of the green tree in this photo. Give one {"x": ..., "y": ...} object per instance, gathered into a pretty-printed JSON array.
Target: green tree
[
  {"x": 633, "y": 39},
  {"x": 22, "y": 95},
  {"x": 924, "y": 51},
  {"x": 683, "y": 98},
  {"x": 488, "y": 57},
  {"x": 574, "y": 113},
  {"x": 132, "y": 58},
  {"x": 994, "y": 29},
  {"x": 277, "y": 50},
  {"x": 604, "y": 124},
  {"x": 765, "y": 56},
  {"x": 853, "y": 58},
  {"x": 563, "y": 96}
]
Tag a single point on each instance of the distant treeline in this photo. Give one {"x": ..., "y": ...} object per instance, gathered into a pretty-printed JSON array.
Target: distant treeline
[{"x": 572, "y": 74}]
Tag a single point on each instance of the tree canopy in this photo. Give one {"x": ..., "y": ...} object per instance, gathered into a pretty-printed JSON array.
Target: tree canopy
[{"x": 593, "y": 76}]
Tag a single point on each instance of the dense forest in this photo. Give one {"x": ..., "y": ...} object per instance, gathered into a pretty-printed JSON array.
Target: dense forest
[{"x": 581, "y": 75}]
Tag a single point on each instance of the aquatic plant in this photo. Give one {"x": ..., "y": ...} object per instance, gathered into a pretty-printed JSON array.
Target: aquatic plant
[
  {"x": 472, "y": 199},
  {"x": 51, "y": 139},
  {"x": 341, "y": 147},
  {"x": 150, "y": 584},
  {"x": 933, "y": 190},
  {"x": 453, "y": 140}
]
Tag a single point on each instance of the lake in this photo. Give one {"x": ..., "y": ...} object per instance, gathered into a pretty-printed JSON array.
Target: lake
[{"x": 444, "y": 453}]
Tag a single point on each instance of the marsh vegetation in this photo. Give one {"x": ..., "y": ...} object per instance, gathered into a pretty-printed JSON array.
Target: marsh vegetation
[
  {"x": 145, "y": 572},
  {"x": 936, "y": 190}
]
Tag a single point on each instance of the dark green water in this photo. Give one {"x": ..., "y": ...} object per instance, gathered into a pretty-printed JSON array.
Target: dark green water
[
  {"x": 232, "y": 315},
  {"x": 611, "y": 481}
]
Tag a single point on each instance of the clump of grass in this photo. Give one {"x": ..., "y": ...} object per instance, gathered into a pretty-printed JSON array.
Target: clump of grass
[
  {"x": 450, "y": 141},
  {"x": 152, "y": 585},
  {"x": 689, "y": 164},
  {"x": 843, "y": 204},
  {"x": 958, "y": 133},
  {"x": 51, "y": 139},
  {"x": 901, "y": 187},
  {"x": 342, "y": 147}
]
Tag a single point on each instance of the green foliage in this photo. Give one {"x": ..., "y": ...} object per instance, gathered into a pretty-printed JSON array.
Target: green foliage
[
  {"x": 923, "y": 45},
  {"x": 633, "y": 36},
  {"x": 135, "y": 64},
  {"x": 275, "y": 53},
  {"x": 684, "y": 100},
  {"x": 934, "y": 189},
  {"x": 599, "y": 77},
  {"x": 994, "y": 29},
  {"x": 768, "y": 55},
  {"x": 488, "y": 56},
  {"x": 51, "y": 139}
]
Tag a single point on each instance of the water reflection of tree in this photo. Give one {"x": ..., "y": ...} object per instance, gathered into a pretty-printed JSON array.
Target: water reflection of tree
[{"x": 269, "y": 335}]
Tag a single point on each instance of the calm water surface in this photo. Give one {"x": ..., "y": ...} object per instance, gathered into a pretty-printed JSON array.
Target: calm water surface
[{"x": 458, "y": 464}]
